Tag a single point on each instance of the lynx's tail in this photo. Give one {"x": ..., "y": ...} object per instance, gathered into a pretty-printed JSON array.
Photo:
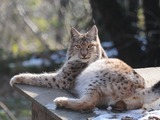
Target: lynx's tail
[
  {"x": 151, "y": 94},
  {"x": 143, "y": 96}
]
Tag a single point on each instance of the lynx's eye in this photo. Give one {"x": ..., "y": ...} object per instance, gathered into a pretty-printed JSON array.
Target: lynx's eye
[
  {"x": 91, "y": 46},
  {"x": 77, "y": 46}
]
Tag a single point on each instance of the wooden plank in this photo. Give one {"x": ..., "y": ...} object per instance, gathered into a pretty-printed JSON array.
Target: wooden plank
[
  {"x": 150, "y": 75},
  {"x": 42, "y": 98},
  {"x": 40, "y": 114}
]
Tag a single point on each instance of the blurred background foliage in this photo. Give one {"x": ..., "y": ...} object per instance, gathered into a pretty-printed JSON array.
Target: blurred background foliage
[
  {"x": 32, "y": 26},
  {"x": 34, "y": 35}
]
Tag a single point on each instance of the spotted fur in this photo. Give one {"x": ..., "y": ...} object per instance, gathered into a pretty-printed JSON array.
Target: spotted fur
[
  {"x": 110, "y": 82},
  {"x": 83, "y": 49},
  {"x": 94, "y": 78}
]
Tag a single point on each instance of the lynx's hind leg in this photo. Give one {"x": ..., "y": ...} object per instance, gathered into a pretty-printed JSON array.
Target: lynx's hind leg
[{"x": 85, "y": 103}]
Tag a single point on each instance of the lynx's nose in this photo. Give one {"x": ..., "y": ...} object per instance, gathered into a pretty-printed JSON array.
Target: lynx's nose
[{"x": 84, "y": 56}]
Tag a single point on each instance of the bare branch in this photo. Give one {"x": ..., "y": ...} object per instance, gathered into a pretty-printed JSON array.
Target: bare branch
[
  {"x": 30, "y": 24},
  {"x": 7, "y": 111}
]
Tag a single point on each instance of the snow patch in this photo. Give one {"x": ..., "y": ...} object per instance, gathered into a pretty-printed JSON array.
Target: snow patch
[
  {"x": 138, "y": 114},
  {"x": 59, "y": 57},
  {"x": 50, "y": 106},
  {"x": 35, "y": 62}
]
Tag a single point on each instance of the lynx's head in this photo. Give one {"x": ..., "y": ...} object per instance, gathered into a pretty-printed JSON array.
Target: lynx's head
[{"x": 84, "y": 46}]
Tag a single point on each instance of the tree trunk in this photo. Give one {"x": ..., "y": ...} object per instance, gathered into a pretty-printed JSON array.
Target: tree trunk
[
  {"x": 152, "y": 23},
  {"x": 119, "y": 25}
]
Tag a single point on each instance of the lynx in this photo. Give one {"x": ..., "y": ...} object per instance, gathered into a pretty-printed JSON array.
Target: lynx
[{"x": 95, "y": 79}]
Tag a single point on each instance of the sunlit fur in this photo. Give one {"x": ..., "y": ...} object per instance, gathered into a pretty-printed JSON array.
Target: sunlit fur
[
  {"x": 109, "y": 82},
  {"x": 84, "y": 49},
  {"x": 94, "y": 78}
]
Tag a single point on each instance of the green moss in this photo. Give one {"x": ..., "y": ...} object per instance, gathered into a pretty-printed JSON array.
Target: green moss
[
  {"x": 34, "y": 3},
  {"x": 55, "y": 22},
  {"x": 3, "y": 115},
  {"x": 25, "y": 112},
  {"x": 15, "y": 49},
  {"x": 42, "y": 23}
]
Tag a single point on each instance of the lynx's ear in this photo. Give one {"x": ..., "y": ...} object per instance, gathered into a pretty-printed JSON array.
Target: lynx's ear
[
  {"x": 74, "y": 33},
  {"x": 93, "y": 31}
]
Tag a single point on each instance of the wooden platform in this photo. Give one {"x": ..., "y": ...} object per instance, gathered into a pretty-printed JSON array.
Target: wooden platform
[{"x": 43, "y": 107}]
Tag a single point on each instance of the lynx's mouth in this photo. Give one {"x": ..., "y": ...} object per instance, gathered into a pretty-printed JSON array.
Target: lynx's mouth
[{"x": 84, "y": 58}]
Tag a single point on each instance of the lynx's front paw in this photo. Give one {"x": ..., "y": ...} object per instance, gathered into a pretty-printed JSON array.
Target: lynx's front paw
[
  {"x": 16, "y": 79},
  {"x": 61, "y": 101}
]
